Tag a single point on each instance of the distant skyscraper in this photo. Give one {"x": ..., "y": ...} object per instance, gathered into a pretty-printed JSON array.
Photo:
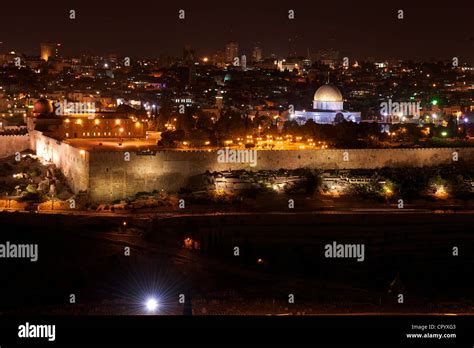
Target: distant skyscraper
[
  {"x": 189, "y": 54},
  {"x": 112, "y": 58},
  {"x": 231, "y": 51},
  {"x": 219, "y": 58},
  {"x": 256, "y": 54},
  {"x": 243, "y": 62},
  {"x": 328, "y": 57},
  {"x": 219, "y": 100},
  {"x": 192, "y": 74},
  {"x": 291, "y": 47},
  {"x": 48, "y": 50}
]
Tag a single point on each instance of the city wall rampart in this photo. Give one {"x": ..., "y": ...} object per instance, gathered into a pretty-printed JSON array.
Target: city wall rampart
[
  {"x": 111, "y": 176},
  {"x": 10, "y": 144},
  {"x": 73, "y": 162}
]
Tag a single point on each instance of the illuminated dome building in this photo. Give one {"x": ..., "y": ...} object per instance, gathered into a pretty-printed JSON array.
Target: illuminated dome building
[
  {"x": 328, "y": 106},
  {"x": 327, "y": 97}
]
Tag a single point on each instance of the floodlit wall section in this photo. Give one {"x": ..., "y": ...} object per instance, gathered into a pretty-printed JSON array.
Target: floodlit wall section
[
  {"x": 112, "y": 177},
  {"x": 73, "y": 162},
  {"x": 10, "y": 144}
]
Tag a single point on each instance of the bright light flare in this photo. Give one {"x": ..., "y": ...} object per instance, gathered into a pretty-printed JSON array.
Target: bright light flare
[{"x": 151, "y": 304}]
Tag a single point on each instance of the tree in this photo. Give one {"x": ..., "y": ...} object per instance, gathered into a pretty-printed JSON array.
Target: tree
[
  {"x": 169, "y": 138},
  {"x": 198, "y": 137},
  {"x": 129, "y": 110},
  {"x": 452, "y": 126},
  {"x": 31, "y": 188},
  {"x": 263, "y": 121},
  {"x": 290, "y": 127},
  {"x": 339, "y": 118},
  {"x": 204, "y": 120},
  {"x": 230, "y": 124}
]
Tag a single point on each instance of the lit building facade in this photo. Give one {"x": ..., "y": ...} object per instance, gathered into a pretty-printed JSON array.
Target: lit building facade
[
  {"x": 256, "y": 54},
  {"x": 48, "y": 50},
  {"x": 328, "y": 108},
  {"x": 231, "y": 51},
  {"x": 102, "y": 126}
]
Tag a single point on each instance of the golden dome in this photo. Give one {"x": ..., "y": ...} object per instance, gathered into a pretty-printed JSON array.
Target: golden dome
[{"x": 328, "y": 93}]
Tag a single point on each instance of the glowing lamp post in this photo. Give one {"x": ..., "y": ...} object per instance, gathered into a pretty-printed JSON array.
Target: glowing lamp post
[{"x": 52, "y": 201}]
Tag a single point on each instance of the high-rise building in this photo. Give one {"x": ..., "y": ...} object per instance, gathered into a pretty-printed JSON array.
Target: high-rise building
[
  {"x": 219, "y": 100},
  {"x": 231, "y": 51},
  {"x": 256, "y": 54},
  {"x": 48, "y": 50},
  {"x": 328, "y": 57},
  {"x": 219, "y": 58},
  {"x": 112, "y": 58},
  {"x": 191, "y": 74},
  {"x": 292, "y": 47},
  {"x": 188, "y": 54},
  {"x": 243, "y": 62}
]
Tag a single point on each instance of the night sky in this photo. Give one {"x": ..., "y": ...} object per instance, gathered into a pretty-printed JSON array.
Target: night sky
[{"x": 358, "y": 29}]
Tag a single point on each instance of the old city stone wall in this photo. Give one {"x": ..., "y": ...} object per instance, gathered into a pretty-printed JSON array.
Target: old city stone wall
[
  {"x": 108, "y": 176},
  {"x": 111, "y": 177},
  {"x": 73, "y": 162},
  {"x": 10, "y": 144}
]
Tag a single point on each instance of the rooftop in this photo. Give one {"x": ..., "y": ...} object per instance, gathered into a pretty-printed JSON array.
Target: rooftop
[{"x": 113, "y": 144}]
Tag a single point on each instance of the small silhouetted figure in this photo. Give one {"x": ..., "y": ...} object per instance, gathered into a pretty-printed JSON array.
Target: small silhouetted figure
[
  {"x": 396, "y": 286},
  {"x": 188, "y": 305}
]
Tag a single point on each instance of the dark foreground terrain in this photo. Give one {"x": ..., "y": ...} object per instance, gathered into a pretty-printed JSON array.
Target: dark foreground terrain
[{"x": 279, "y": 255}]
